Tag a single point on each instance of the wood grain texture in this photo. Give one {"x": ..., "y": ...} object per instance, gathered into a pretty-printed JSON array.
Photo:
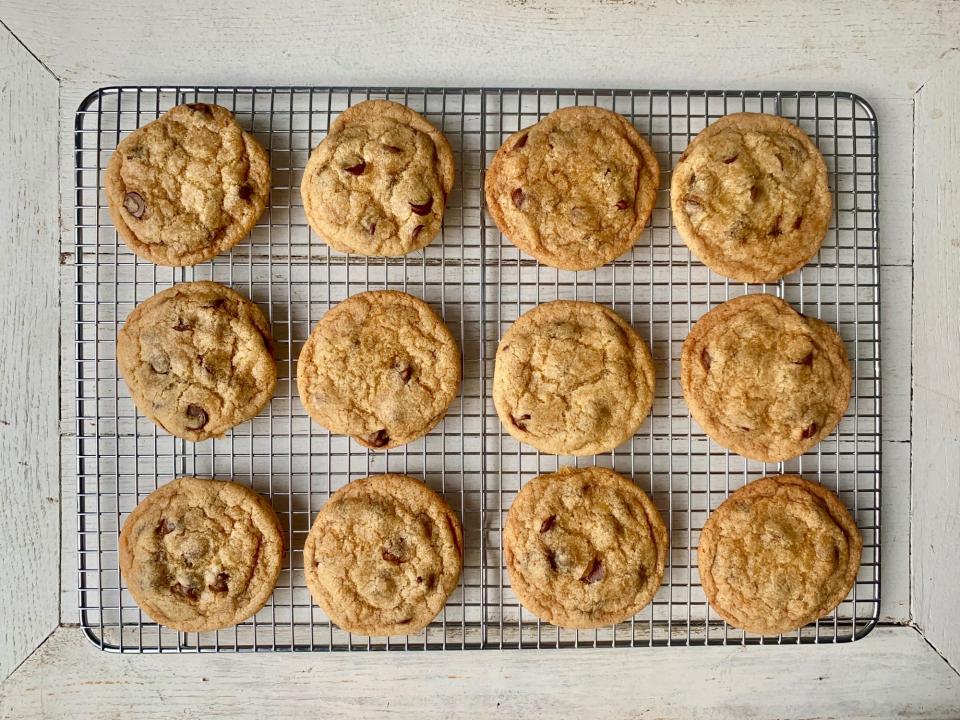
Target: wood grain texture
[
  {"x": 879, "y": 49},
  {"x": 69, "y": 678},
  {"x": 936, "y": 362},
  {"x": 29, "y": 242},
  {"x": 884, "y": 51}
]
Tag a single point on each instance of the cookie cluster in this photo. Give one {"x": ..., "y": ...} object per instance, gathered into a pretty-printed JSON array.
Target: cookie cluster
[{"x": 584, "y": 547}]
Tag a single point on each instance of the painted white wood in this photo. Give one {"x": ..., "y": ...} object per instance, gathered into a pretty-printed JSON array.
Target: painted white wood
[
  {"x": 885, "y": 51},
  {"x": 29, "y": 240},
  {"x": 936, "y": 362},
  {"x": 69, "y": 678},
  {"x": 881, "y": 49}
]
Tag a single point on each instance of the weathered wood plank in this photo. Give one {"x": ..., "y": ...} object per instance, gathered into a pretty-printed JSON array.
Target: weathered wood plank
[
  {"x": 878, "y": 49},
  {"x": 29, "y": 242},
  {"x": 69, "y": 678},
  {"x": 936, "y": 362}
]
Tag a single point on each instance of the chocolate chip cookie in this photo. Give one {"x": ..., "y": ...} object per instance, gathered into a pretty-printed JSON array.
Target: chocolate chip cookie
[
  {"x": 382, "y": 367},
  {"x": 187, "y": 186},
  {"x": 778, "y": 554},
  {"x": 572, "y": 378},
  {"x": 763, "y": 380},
  {"x": 201, "y": 555},
  {"x": 750, "y": 197},
  {"x": 584, "y": 547},
  {"x": 383, "y": 555},
  {"x": 378, "y": 183},
  {"x": 575, "y": 190},
  {"x": 198, "y": 359}
]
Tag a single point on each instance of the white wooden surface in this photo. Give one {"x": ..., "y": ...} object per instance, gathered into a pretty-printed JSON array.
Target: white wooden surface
[
  {"x": 898, "y": 677},
  {"x": 885, "y": 51},
  {"x": 29, "y": 246},
  {"x": 936, "y": 361}
]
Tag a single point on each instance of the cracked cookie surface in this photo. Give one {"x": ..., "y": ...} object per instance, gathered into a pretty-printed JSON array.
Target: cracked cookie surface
[
  {"x": 187, "y": 186},
  {"x": 201, "y": 555},
  {"x": 750, "y": 197},
  {"x": 197, "y": 359},
  {"x": 779, "y": 553},
  {"x": 383, "y": 555},
  {"x": 382, "y": 367},
  {"x": 763, "y": 380},
  {"x": 378, "y": 183},
  {"x": 572, "y": 378},
  {"x": 575, "y": 190},
  {"x": 584, "y": 547}
]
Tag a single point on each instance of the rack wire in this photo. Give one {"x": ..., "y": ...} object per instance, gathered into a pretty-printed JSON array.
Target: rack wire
[{"x": 480, "y": 283}]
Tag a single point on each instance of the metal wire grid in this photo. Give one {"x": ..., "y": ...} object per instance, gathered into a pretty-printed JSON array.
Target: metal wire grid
[{"x": 481, "y": 284}]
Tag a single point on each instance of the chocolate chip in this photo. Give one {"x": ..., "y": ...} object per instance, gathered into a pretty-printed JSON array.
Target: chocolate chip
[
  {"x": 548, "y": 523},
  {"x": 201, "y": 108},
  {"x": 706, "y": 359},
  {"x": 356, "y": 169},
  {"x": 594, "y": 573},
  {"x": 165, "y": 527},
  {"x": 245, "y": 192},
  {"x": 198, "y": 417},
  {"x": 692, "y": 205},
  {"x": 186, "y": 591},
  {"x": 754, "y": 192},
  {"x": 809, "y": 431},
  {"x": 134, "y": 204},
  {"x": 379, "y": 438},
  {"x": 181, "y": 326},
  {"x": 404, "y": 621},
  {"x": 216, "y": 304},
  {"x": 693, "y": 179},
  {"x": 160, "y": 364},
  {"x": 518, "y": 197},
  {"x": 519, "y": 422},
  {"x": 373, "y": 228},
  {"x": 406, "y": 373},
  {"x": 421, "y": 209},
  {"x": 808, "y": 360},
  {"x": 390, "y": 557},
  {"x": 727, "y": 161},
  {"x": 622, "y": 204},
  {"x": 392, "y": 149},
  {"x": 415, "y": 232},
  {"x": 521, "y": 142},
  {"x": 797, "y": 222},
  {"x": 552, "y": 559},
  {"x": 220, "y": 584},
  {"x": 451, "y": 526},
  {"x": 419, "y": 579},
  {"x": 776, "y": 231}
]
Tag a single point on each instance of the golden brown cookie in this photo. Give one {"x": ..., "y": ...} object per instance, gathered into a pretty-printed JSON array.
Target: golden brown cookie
[
  {"x": 187, "y": 186},
  {"x": 382, "y": 367},
  {"x": 201, "y": 555},
  {"x": 763, "y": 380},
  {"x": 750, "y": 197},
  {"x": 383, "y": 555},
  {"x": 572, "y": 378},
  {"x": 584, "y": 547},
  {"x": 575, "y": 190},
  {"x": 778, "y": 554},
  {"x": 378, "y": 182},
  {"x": 198, "y": 359}
]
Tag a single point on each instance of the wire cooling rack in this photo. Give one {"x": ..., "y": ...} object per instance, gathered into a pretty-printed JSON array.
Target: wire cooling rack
[{"x": 481, "y": 284}]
